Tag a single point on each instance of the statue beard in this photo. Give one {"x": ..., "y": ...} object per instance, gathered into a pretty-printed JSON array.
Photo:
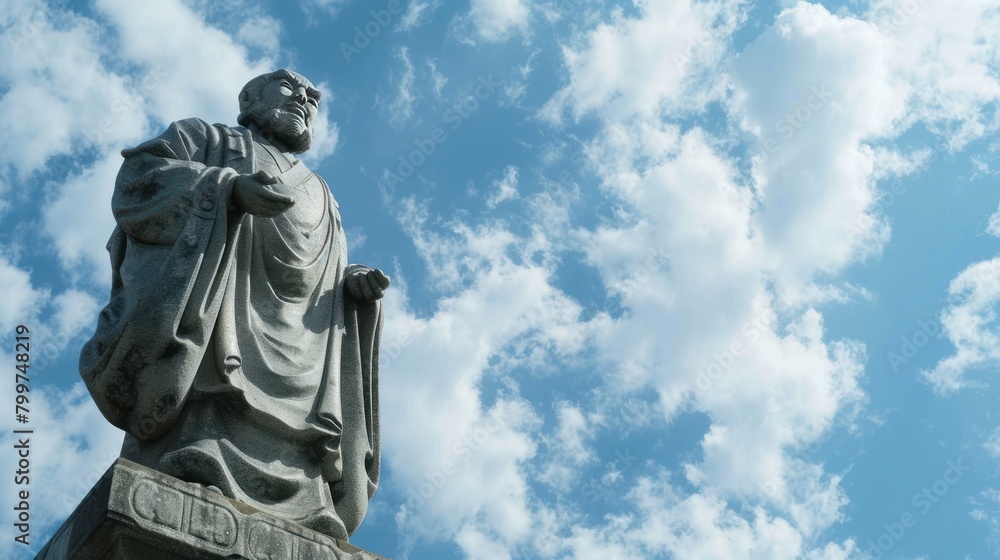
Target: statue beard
[{"x": 285, "y": 126}]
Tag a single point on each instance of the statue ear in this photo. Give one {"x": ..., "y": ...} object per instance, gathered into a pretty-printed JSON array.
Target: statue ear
[{"x": 244, "y": 100}]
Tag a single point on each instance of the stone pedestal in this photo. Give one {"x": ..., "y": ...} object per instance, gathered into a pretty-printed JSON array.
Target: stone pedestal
[{"x": 137, "y": 513}]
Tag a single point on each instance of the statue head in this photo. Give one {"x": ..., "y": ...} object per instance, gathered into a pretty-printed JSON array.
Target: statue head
[{"x": 282, "y": 104}]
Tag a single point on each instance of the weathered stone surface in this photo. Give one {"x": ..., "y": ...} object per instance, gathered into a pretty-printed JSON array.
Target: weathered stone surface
[
  {"x": 239, "y": 347},
  {"x": 136, "y": 513}
]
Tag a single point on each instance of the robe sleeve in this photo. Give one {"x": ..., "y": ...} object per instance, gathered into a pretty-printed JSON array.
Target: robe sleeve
[{"x": 170, "y": 258}]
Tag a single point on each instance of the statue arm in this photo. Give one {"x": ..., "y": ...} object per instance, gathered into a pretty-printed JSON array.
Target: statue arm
[
  {"x": 164, "y": 180},
  {"x": 170, "y": 257}
]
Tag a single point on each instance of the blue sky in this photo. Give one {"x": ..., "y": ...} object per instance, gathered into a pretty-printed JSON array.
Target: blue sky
[{"x": 677, "y": 279}]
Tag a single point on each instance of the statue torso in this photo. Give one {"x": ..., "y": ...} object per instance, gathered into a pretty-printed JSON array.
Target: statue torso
[{"x": 288, "y": 280}]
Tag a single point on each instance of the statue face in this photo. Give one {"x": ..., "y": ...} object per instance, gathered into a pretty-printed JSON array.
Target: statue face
[
  {"x": 288, "y": 108},
  {"x": 291, "y": 98}
]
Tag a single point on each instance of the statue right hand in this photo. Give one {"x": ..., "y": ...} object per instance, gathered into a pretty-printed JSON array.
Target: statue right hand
[{"x": 252, "y": 194}]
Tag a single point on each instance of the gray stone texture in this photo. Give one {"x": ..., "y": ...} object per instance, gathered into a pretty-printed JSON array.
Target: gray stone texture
[
  {"x": 239, "y": 348},
  {"x": 136, "y": 513}
]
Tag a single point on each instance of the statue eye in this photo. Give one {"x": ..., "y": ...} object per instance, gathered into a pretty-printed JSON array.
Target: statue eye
[
  {"x": 286, "y": 86},
  {"x": 313, "y": 102}
]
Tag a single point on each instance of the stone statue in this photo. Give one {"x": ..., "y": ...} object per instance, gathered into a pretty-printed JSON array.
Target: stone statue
[{"x": 239, "y": 349}]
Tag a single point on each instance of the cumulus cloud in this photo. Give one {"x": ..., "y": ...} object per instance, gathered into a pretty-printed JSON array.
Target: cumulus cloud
[
  {"x": 22, "y": 300},
  {"x": 79, "y": 220},
  {"x": 810, "y": 110},
  {"x": 159, "y": 36},
  {"x": 715, "y": 260},
  {"x": 969, "y": 323},
  {"x": 944, "y": 57},
  {"x": 263, "y": 32},
  {"x": 718, "y": 296},
  {"x": 56, "y": 75},
  {"x": 659, "y": 60},
  {"x": 465, "y": 458}
]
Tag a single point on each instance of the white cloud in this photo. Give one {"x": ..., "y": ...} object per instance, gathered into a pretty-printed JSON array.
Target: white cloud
[
  {"x": 811, "y": 90},
  {"x": 698, "y": 253},
  {"x": 498, "y": 20},
  {"x": 945, "y": 57},
  {"x": 969, "y": 322},
  {"x": 56, "y": 76},
  {"x": 692, "y": 256},
  {"x": 993, "y": 228},
  {"x": 992, "y": 444},
  {"x": 641, "y": 65},
  {"x": 438, "y": 80},
  {"x": 79, "y": 220},
  {"x": 22, "y": 299},
  {"x": 418, "y": 13},
  {"x": 203, "y": 83},
  {"x": 568, "y": 449},
  {"x": 330, "y": 7},
  {"x": 463, "y": 465},
  {"x": 504, "y": 189},
  {"x": 669, "y": 524},
  {"x": 400, "y": 107},
  {"x": 572, "y": 432},
  {"x": 54, "y": 322},
  {"x": 263, "y": 32}
]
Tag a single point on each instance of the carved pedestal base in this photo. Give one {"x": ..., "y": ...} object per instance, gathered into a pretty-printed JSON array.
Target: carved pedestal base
[{"x": 137, "y": 513}]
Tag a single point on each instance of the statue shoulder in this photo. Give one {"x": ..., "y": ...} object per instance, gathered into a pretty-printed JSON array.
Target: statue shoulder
[
  {"x": 187, "y": 136},
  {"x": 193, "y": 125},
  {"x": 215, "y": 131},
  {"x": 198, "y": 128}
]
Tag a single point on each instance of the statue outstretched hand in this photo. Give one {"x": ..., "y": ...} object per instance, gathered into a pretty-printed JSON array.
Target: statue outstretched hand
[
  {"x": 253, "y": 195},
  {"x": 366, "y": 284}
]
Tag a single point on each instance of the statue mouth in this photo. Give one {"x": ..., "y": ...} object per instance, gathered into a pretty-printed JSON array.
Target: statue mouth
[{"x": 296, "y": 109}]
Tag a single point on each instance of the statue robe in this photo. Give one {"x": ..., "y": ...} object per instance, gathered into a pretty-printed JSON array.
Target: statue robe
[{"x": 229, "y": 351}]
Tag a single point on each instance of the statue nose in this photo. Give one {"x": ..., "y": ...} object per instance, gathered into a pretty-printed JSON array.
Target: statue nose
[{"x": 299, "y": 94}]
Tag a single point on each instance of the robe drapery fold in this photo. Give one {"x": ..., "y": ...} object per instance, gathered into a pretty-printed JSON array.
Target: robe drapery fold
[{"x": 173, "y": 349}]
